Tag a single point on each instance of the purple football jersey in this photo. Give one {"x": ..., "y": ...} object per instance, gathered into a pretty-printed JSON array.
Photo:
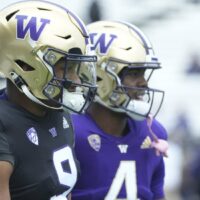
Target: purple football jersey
[{"x": 117, "y": 167}]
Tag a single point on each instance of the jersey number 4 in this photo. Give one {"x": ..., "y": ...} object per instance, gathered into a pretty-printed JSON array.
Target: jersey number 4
[{"x": 126, "y": 173}]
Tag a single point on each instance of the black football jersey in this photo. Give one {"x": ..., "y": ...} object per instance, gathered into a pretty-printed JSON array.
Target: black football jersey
[{"x": 41, "y": 151}]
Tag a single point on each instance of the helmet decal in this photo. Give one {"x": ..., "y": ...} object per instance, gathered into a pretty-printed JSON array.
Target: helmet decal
[
  {"x": 31, "y": 27},
  {"x": 102, "y": 41}
]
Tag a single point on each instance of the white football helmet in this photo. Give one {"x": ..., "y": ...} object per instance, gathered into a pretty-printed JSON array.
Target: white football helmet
[
  {"x": 120, "y": 46},
  {"x": 40, "y": 35}
]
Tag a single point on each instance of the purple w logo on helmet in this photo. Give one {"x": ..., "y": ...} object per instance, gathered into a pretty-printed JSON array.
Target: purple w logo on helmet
[
  {"x": 31, "y": 26},
  {"x": 102, "y": 42}
]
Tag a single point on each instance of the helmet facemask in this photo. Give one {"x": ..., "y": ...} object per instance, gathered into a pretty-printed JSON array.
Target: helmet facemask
[
  {"x": 135, "y": 101},
  {"x": 74, "y": 78}
]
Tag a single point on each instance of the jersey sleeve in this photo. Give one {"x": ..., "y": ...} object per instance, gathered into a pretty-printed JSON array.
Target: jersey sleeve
[
  {"x": 157, "y": 184},
  {"x": 5, "y": 152}
]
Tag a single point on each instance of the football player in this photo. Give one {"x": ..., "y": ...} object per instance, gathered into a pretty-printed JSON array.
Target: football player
[
  {"x": 43, "y": 54},
  {"x": 118, "y": 142}
]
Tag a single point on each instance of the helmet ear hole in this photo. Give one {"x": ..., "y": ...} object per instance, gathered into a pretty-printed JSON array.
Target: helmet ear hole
[
  {"x": 99, "y": 79},
  {"x": 24, "y": 66}
]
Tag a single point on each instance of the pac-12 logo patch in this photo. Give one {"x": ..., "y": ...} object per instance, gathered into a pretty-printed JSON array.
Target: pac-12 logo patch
[
  {"x": 95, "y": 141},
  {"x": 32, "y": 136}
]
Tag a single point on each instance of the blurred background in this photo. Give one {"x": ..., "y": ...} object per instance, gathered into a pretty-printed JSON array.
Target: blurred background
[{"x": 173, "y": 27}]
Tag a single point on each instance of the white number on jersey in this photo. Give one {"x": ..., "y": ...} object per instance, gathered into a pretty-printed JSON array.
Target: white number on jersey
[
  {"x": 65, "y": 178},
  {"x": 126, "y": 172}
]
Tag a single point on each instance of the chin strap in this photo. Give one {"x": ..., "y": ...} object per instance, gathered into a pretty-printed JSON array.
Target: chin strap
[
  {"x": 34, "y": 99},
  {"x": 161, "y": 146},
  {"x": 22, "y": 86}
]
